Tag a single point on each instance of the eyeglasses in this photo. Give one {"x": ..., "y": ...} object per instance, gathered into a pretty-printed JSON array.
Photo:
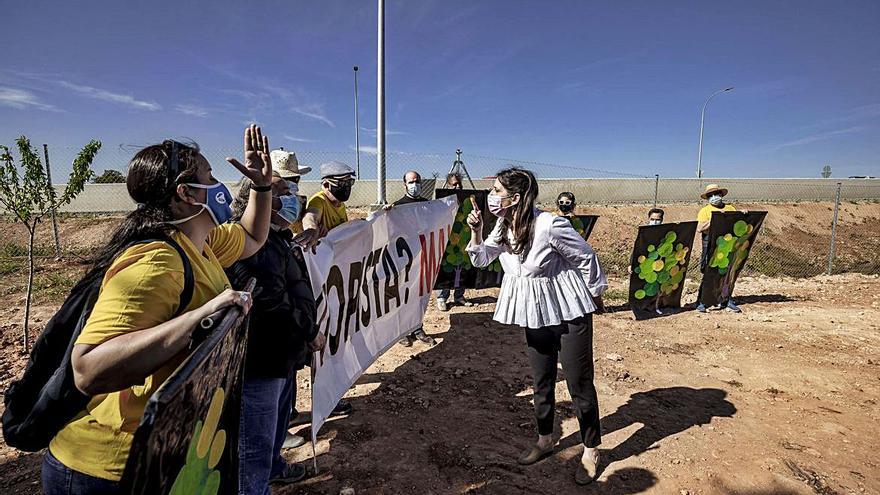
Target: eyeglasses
[{"x": 294, "y": 179}]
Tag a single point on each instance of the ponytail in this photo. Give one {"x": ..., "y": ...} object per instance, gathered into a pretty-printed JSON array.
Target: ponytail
[
  {"x": 522, "y": 219},
  {"x": 153, "y": 175}
]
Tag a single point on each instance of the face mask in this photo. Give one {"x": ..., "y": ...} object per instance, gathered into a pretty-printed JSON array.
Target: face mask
[
  {"x": 218, "y": 203},
  {"x": 294, "y": 187},
  {"x": 655, "y": 222},
  {"x": 566, "y": 208},
  {"x": 341, "y": 192},
  {"x": 413, "y": 189},
  {"x": 494, "y": 203},
  {"x": 289, "y": 208},
  {"x": 715, "y": 200}
]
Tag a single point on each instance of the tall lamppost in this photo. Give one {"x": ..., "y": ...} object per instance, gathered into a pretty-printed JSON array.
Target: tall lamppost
[
  {"x": 702, "y": 119},
  {"x": 357, "y": 133}
]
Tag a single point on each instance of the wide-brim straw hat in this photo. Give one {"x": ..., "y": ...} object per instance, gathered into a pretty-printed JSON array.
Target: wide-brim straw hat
[
  {"x": 286, "y": 164},
  {"x": 712, "y": 189}
]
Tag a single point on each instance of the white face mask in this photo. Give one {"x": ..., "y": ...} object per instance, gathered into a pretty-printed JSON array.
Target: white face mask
[
  {"x": 655, "y": 222},
  {"x": 413, "y": 189},
  {"x": 715, "y": 200}
]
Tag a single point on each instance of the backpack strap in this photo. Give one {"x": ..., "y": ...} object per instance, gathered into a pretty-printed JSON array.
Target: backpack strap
[{"x": 188, "y": 278}]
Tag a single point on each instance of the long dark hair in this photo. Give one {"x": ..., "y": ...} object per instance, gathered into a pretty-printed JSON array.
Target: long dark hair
[
  {"x": 153, "y": 175},
  {"x": 519, "y": 181}
]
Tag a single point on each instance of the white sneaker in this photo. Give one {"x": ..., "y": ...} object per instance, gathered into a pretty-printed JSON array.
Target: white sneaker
[
  {"x": 441, "y": 305},
  {"x": 293, "y": 441}
]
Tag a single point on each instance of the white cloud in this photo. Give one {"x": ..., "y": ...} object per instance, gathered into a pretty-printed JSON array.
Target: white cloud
[
  {"x": 818, "y": 137},
  {"x": 314, "y": 112},
  {"x": 104, "y": 95},
  {"x": 388, "y": 132},
  {"x": 194, "y": 110},
  {"x": 372, "y": 150},
  {"x": 22, "y": 99},
  {"x": 298, "y": 140}
]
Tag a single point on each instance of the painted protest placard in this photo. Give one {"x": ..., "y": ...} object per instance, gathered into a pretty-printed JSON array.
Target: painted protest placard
[
  {"x": 188, "y": 437},
  {"x": 731, "y": 237},
  {"x": 456, "y": 270},
  {"x": 658, "y": 265}
]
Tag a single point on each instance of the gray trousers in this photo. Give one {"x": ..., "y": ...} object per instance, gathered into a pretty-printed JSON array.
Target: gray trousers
[{"x": 572, "y": 343}]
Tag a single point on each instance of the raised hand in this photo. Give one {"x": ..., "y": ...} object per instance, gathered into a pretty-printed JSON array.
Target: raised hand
[
  {"x": 258, "y": 166},
  {"x": 475, "y": 217}
]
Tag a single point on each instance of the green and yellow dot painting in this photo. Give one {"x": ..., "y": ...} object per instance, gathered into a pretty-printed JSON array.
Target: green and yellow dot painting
[
  {"x": 731, "y": 249},
  {"x": 659, "y": 266},
  {"x": 662, "y": 267},
  {"x": 583, "y": 224},
  {"x": 198, "y": 475},
  {"x": 456, "y": 269}
]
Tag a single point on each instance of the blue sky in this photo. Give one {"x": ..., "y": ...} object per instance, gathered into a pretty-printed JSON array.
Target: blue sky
[{"x": 607, "y": 85}]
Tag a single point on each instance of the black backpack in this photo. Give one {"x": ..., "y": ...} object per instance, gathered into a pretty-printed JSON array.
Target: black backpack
[{"x": 45, "y": 399}]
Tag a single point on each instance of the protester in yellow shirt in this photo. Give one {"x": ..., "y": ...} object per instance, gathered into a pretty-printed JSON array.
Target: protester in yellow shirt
[
  {"x": 132, "y": 341},
  {"x": 715, "y": 196},
  {"x": 325, "y": 210}
]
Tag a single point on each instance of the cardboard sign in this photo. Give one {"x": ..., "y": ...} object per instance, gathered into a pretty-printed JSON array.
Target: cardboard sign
[
  {"x": 659, "y": 266},
  {"x": 456, "y": 269},
  {"x": 187, "y": 441},
  {"x": 731, "y": 237},
  {"x": 584, "y": 224}
]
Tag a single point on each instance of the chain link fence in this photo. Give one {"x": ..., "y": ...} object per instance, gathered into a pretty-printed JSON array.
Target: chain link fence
[{"x": 796, "y": 239}]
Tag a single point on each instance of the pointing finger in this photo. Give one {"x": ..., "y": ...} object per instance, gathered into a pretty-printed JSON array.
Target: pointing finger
[{"x": 237, "y": 164}]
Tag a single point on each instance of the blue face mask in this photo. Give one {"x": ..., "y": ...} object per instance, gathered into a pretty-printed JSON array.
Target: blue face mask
[
  {"x": 219, "y": 199},
  {"x": 715, "y": 200},
  {"x": 289, "y": 208}
]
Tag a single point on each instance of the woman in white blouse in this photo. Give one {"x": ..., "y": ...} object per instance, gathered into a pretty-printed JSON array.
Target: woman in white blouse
[{"x": 552, "y": 284}]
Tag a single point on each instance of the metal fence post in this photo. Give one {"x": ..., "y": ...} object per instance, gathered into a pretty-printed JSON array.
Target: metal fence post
[
  {"x": 833, "y": 230},
  {"x": 54, "y": 220},
  {"x": 656, "y": 187}
]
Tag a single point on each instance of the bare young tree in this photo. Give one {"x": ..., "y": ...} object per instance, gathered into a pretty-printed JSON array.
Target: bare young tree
[{"x": 28, "y": 197}]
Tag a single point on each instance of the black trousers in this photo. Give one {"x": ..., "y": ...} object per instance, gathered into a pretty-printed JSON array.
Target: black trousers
[{"x": 572, "y": 343}]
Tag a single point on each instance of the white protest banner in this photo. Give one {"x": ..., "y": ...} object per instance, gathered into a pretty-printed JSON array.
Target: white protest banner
[{"x": 372, "y": 281}]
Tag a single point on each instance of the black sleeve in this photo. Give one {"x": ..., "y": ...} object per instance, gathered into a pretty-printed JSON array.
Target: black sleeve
[{"x": 299, "y": 289}]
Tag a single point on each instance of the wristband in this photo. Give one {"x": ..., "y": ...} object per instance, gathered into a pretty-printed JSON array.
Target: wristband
[{"x": 265, "y": 188}]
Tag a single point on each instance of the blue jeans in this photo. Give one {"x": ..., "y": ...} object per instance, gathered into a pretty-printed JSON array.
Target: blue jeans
[
  {"x": 456, "y": 294},
  {"x": 265, "y": 410},
  {"x": 59, "y": 479}
]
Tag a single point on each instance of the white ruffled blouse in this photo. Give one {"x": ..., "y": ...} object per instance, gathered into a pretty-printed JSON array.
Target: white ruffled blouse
[{"x": 553, "y": 281}]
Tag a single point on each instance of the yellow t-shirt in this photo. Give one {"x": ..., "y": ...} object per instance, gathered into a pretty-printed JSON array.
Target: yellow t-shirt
[
  {"x": 705, "y": 213},
  {"x": 329, "y": 216},
  {"x": 141, "y": 289}
]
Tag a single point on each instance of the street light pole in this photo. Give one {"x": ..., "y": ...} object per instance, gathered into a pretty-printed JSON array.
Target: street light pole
[
  {"x": 702, "y": 119},
  {"x": 380, "y": 107},
  {"x": 357, "y": 133}
]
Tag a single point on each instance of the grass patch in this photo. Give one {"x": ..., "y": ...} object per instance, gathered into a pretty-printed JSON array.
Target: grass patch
[
  {"x": 53, "y": 285},
  {"x": 11, "y": 266},
  {"x": 615, "y": 295},
  {"x": 14, "y": 250}
]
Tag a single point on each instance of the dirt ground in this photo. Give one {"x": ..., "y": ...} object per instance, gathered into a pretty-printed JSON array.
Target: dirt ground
[{"x": 781, "y": 399}]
